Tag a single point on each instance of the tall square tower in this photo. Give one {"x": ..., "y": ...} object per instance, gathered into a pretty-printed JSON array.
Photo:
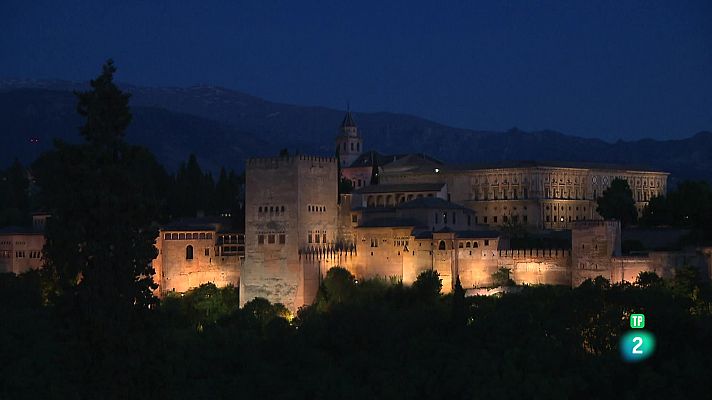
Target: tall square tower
[{"x": 291, "y": 206}]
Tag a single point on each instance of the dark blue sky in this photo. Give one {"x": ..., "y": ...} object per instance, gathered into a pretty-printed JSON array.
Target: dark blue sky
[{"x": 608, "y": 69}]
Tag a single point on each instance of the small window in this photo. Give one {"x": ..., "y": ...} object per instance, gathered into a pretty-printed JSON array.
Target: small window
[
  {"x": 282, "y": 209},
  {"x": 475, "y": 244},
  {"x": 309, "y": 238},
  {"x": 259, "y": 209},
  {"x": 316, "y": 238},
  {"x": 202, "y": 235},
  {"x": 282, "y": 238},
  {"x": 468, "y": 245},
  {"x": 189, "y": 252},
  {"x": 354, "y": 218},
  {"x": 207, "y": 252},
  {"x": 495, "y": 219},
  {"x": 460, "y": 245},
  {"x": 270, "y": 239},
  {"x": 167, "y": 236},
  {"x": 260, "y": 239},
  {"x": 486, "y": 242},
  {"x": 441, "y": 246},
  {"x": 181, "y": 236},
  {"x": 209, "y": 236},
  {"x": 323, "y": 238}
]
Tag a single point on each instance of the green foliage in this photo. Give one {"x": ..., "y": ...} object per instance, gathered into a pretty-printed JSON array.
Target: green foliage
[
  {"x": 458, "y": 316},
  {"x": 501, "y": 277},
  {"x": 264, "y": 312},
  {"x": 688, "y": 206},
  {"x": 543, "y": 342},
  {"x": 617, "y": 203},
  {"x": 104, "y": 196},
  {"x": 648, "y": 279},
  {"x": 14, "y": 195},
  {"x": 428, "y": 284},
  {"x": 203, "y": 305},
  {"x": 338, "y": 285},
  {"x": 194, "y": 191}
]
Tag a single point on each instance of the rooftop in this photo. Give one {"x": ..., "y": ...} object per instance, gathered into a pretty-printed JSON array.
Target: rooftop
[
  {"x": 405, "y": 187},
  {"x": 431, "y": 202},
  {"x": 555, "y": 164},
  {"x": 19, "y": 230}
]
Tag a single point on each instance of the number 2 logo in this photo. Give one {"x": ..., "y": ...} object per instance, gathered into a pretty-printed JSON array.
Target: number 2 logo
[{"x": 636, "y": 348}]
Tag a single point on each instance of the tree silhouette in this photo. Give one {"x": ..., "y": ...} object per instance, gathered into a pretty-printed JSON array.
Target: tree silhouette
[{"x": 617, "y": 203}]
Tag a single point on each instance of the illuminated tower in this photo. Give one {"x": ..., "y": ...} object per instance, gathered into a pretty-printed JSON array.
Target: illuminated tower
[{"x": 348, "y": 142}]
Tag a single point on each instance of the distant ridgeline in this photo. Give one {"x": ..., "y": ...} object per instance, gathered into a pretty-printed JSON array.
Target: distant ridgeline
[
  {"x": 405, "y": 213},
  {"x": 224, "y": 128}
]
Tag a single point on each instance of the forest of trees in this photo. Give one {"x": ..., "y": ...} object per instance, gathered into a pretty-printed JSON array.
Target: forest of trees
[
  {"x": 88, "y": 326},
  {"x": 372, "y": 339}
]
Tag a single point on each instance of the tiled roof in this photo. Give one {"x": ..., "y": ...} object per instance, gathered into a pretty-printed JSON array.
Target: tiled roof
[
  {"x": 390, "y": 222},
  {"x": 404, "y": 187},
  {"x": 554, "y": 164},
  {"x": 431, "y": 202}
]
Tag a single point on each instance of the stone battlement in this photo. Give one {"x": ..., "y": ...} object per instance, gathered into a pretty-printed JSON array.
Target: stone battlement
[
  {"x": 529, "y": 253},
  {"x": 276, "y": 162},
  {"x": 592, "y": 224}
]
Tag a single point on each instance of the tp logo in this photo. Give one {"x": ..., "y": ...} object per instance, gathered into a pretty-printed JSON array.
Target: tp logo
[{"x": 637, "y": 344}]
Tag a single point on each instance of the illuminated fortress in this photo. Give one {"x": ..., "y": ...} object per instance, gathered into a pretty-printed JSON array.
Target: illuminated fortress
[{"x": 421, "y": 214}]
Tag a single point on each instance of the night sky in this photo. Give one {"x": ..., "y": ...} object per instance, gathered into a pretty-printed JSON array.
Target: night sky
[{"x": 608, "y": 69}]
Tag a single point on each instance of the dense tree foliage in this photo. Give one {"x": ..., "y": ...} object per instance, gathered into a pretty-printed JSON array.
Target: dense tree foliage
[
  {"x": 617, "y": 203},
  {"x": 384, "y": 341},
  {"x": 14, "y": 195},
  {"x": 689, "y": 205}
]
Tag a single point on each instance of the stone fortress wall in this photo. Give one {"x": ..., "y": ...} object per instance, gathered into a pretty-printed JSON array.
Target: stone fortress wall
[{"x": 298, "y": 226}]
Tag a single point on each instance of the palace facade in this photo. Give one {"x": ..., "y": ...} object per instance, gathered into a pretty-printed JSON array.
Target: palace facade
[{"x": 422, "y": 214}]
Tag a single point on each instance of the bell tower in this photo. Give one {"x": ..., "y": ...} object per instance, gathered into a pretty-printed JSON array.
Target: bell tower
[{"x": 348, "y": 142}]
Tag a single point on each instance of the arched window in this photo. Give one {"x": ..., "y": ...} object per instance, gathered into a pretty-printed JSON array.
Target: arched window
[
  {"x": 468, "y": 245},
  {"x": 282, "y": 209},
  {"x": 189, "y": 252},
  {"x": 202, "y": 235},
  {"x": 441, "y": 246},
  {"x": 352, "y": 146},
  {"x": 259, "y": 209},
  {"x": 474, "y": 244}
]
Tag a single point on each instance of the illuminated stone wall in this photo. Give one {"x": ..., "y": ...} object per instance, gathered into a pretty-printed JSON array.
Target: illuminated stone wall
[
  {"x": 547, "y": 197},
  {"x": 299, "y": 194},
  {"x": 208, "y": 262},
  {"x": 20, "y": 252}
]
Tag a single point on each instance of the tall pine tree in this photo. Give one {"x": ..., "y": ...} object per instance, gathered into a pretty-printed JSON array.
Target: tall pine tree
[{"x": 104, "y": 198}]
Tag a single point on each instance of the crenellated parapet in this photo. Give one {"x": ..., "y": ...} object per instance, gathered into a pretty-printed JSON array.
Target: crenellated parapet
[{"x": 285, "y": 161}]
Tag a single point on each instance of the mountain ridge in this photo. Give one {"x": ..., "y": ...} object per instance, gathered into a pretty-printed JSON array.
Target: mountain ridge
[{"x": 224, "y": 126}]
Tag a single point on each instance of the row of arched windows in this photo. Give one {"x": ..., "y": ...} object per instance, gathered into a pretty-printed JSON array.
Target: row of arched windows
[
  {"x": 313, "y": 208},
  {"x": 187, "y": 236},
  {"x": 270, "y": 209},
  {"x": 353, "y": 148}
]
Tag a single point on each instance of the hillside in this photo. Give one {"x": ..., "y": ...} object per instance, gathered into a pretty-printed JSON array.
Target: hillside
[{"x": 223, "y": 127}]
